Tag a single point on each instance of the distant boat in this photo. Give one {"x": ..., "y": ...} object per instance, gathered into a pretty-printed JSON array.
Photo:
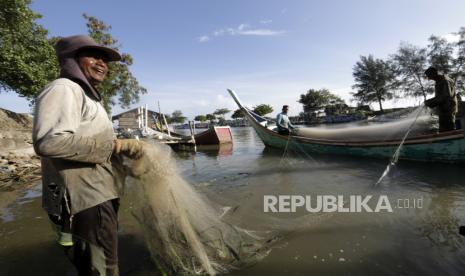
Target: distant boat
[
  {"x": 446, "y": 147},
  {"x": 215, "y": 135}
]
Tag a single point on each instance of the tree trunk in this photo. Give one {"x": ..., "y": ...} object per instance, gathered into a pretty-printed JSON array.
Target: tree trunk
[{"x": 380, "y": 105}]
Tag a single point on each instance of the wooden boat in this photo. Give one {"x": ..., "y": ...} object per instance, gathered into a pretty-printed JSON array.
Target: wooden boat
[
  {"x": 446, "y": 147},
  {"x": 215, "y": 135}
]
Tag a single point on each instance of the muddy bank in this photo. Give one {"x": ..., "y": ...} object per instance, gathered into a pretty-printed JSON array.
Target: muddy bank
[{"x": 19, "y": 165}]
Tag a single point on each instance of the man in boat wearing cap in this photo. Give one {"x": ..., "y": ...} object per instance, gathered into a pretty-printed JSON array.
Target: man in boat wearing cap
[
  {"x": 282, "y": 121},
  {"x": 445, "y": 99},
  {"x": 73, "y": 135}
]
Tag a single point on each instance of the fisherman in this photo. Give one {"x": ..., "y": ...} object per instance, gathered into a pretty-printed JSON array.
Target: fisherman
[
  {"x": 282, "y": 121},
  {"x": 445, "y": 100},
  {"x": 73, "y": 135}
]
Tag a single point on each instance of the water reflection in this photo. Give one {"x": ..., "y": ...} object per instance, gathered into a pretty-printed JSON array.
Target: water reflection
[
  {"x": 441, "y": 223},
  {"x": 408, "y": 241}
]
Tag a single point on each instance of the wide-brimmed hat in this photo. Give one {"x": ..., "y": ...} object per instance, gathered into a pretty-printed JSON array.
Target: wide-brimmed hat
[{"x": 67, "y": 46}]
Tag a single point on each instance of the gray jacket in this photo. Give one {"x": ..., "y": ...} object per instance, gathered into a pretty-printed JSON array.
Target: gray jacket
[{"x": 74, "y": 137}]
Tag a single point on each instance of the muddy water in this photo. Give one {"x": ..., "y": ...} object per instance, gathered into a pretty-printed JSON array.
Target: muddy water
[{"x": 406, "y": 241}]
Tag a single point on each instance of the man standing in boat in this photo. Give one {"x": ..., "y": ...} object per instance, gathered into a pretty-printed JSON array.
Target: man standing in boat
[
  {"x": 445, "y": 99},
  {"x": 282, "y": 121}
]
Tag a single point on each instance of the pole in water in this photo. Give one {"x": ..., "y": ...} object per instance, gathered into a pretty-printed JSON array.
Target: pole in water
[{"x": 396, "y": 155}]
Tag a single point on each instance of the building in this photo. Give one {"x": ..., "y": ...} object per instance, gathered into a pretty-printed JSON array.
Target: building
[{"x": 136, "y": 118}]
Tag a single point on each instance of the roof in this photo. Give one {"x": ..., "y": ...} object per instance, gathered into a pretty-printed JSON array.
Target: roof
[{"x": 116, "y": 117}]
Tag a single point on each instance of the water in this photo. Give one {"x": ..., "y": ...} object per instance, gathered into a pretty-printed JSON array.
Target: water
[
  {"x": 395, "y": 157},
  {"x": 410, "y": 241}
]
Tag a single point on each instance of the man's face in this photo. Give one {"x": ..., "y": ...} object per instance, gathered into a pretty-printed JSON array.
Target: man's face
[
  {"x": 285, "y": 110},
  {"x": 93, "y": 64}
]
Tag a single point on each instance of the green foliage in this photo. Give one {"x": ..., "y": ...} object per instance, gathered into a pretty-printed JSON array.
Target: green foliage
[
  {"x": 27, "y": 57},
  {"x": 210, "y": 117},
  {"x": 237, "y": 114},
  {"x": 315, "y": 99},
  {"x": 440, "y": 54},
  {"x": 28, "y": 61},
  {"x": 374, "y": 80},
  {"x": 458, "y": 64},
  {"x": 336, "y": 109},
  {"x": 221, "y": 112},
  {"x": 200, "y": 118},
  {"x": 410, "y": 63},
  {"x": 119, "y": 81},
  {"x": 177, "y": 117},
  {"x": 263, "y": 109}
]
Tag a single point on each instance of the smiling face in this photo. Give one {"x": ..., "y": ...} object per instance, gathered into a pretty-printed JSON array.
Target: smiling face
[{"x": 93, "y": 64}]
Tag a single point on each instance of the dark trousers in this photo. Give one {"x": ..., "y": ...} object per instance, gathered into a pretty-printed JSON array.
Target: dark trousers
[
  {"x": 283, "y": 131},
  {"x": 446, "y": 122},
  {"x": 95, "y": 240}
]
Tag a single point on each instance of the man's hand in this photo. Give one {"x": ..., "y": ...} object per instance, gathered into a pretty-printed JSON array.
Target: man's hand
[{"x": 132, "y": 148}]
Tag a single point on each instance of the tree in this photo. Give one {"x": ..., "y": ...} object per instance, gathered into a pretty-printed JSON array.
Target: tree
[
  {"x": 119, "y": 81},
  {"x": 200, "y": 118},
  {"x": 263, "y": 109},
  {"x": 458, "y": 72},
  {"x": 177, "y": 117},
  {"x": 316, "y": 99},
  {"x": 410, "y": 63},
  {"x": 210, "y": 117},
  {"x": 374, "y": 80},
  {"x": 221, "y": 112},
  {"x": 27, "y": 57},
  {"x": 238, "y": 114},
  {"x": 440, "y": 54}
]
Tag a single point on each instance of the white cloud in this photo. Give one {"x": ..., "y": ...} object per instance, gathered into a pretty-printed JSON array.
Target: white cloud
[
  {"x": 204, "y": 38},
  {"x": 266, "y": 21},
  {"x": 243, "y": 29},
  {"x": 261, "y": 32},
  {"x": 451, "y": 37}
]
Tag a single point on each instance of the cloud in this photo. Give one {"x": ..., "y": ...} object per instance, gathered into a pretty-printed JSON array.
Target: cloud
[
  {"x": 451, "y": 37},
  {"x": 266, "y": 21},
  {"x": 243, "y": 30},
  {"x": 204, "y": 38},
  {"x": 261, "y": 32}
]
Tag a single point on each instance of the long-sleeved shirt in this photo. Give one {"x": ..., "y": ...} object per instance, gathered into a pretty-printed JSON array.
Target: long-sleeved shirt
[
  {"x": 283, "y": 122},
  {"x": 445, "y": 99},
  {"x": 73, "y": 135}
]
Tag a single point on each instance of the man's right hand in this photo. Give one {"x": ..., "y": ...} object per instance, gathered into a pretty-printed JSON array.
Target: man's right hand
[{"x": 132, "y": 148}]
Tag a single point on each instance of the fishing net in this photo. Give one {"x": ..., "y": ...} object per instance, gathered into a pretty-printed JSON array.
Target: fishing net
[
  {"x": 394, "y": 130},
  {"x": 186, "y": 233}
]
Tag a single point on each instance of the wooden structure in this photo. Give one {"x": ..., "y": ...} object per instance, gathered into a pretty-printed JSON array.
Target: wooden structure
[
  {"x": 214, "y": 136},
  {"x": 136, "y": 118}
]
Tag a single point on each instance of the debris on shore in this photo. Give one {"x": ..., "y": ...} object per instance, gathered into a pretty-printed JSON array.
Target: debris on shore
[{"x": 19, "y": 165}]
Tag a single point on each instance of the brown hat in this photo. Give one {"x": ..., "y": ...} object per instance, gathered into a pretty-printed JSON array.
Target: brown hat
[{"x": 70, "y": 45}]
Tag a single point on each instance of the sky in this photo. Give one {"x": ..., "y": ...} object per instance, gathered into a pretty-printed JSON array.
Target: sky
[{"x": 187, "y": 53}]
